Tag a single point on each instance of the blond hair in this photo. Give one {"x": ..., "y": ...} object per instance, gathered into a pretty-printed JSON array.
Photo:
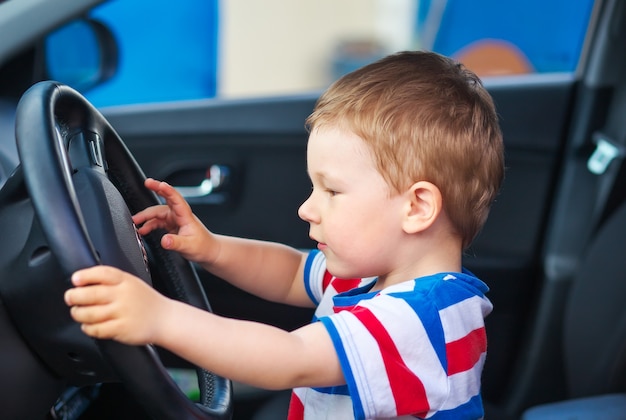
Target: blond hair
[{"x": 425, "y": 118}]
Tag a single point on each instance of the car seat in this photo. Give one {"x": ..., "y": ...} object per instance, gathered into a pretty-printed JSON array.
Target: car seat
[{"x": 594, "y": 340}]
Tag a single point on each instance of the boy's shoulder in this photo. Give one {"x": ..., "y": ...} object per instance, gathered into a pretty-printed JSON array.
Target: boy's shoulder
[{"x": 443, "y": 290}]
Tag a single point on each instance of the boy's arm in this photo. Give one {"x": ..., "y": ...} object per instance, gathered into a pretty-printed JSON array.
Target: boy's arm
[
  {"x": 253, "y": 353},
  {"x": 268, "y": 270},
  {"x": 112, "y": 304}
]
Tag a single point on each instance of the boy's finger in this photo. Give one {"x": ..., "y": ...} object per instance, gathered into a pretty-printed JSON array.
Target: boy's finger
[
  {"x": 152, "y": 184},
  {"x": 104, "y": 330},
  {"x": 147, "y": 226},
  {"x": 170, "y": 194},
  {"x": 165, "y": 190},
  {"x": 153, "y": 212},
  {"x": 162, "y": 188},
  {"x": 172, "y": 242},
  {"x": 90, "y": 314},
  {"x": 99, "y": 274},
  {"x": 151, "y": 225},
  {"x": 86, "y": 296},
  {"x": 173, "y": 199}
]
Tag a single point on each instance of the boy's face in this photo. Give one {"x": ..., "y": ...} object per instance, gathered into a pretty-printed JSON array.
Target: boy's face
[{"x": 352, "y": 215}]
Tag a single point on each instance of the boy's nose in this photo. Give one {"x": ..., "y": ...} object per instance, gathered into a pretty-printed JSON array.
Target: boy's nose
[{"x": 305, "y": 212}]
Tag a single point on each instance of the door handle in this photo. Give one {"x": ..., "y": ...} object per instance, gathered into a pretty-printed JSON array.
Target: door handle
[{"x": 209, "y": 191}]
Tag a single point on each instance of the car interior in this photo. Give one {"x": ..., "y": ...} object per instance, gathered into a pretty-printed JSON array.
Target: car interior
[{"x": 551, "y": 251}]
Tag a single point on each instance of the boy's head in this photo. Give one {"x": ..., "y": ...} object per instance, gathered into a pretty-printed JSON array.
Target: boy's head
[{"x": 424, "y": 118}]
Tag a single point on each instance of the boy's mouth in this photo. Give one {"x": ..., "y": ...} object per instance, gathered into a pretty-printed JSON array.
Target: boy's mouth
[{"x": 320, "y": 245}]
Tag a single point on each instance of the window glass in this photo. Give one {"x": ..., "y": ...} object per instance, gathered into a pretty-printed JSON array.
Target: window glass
[
  {"x": 195, "y": 49},
  {"x": 167, "y": 51},
  {"x": 502, "y": 37}
]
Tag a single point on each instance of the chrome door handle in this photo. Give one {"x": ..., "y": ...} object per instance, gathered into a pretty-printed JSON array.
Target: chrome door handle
[{"x": 207, "y": 191}]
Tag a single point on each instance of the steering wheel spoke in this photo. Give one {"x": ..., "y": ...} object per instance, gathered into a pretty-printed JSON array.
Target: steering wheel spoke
[{"x": 85, "y": 150}]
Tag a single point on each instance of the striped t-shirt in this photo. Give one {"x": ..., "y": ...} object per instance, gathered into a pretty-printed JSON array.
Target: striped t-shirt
[{"x": 414, "y": 349}]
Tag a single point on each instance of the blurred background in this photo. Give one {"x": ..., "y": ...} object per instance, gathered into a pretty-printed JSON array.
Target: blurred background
[{"x": 235, "y": 48}]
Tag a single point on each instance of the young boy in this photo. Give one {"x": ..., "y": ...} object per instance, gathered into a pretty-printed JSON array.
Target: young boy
[{"x": 405, "y": 156}]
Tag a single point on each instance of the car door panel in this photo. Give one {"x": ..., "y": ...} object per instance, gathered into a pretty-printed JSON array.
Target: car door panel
[{"x": 263, "y": 145}]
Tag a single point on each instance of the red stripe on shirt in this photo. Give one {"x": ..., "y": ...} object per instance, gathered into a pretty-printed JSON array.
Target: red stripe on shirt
[
  {"x": 343, "y": 285},
  {"x": 338, "y": 309},
  {"x": 465, "y": 352},
  {"x": 407, "y": 389},
  {"x": 296, "y": 408},
  {"x": 326, "y": 280}
]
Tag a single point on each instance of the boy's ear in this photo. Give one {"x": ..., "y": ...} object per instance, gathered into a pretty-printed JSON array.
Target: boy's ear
[{"x": 422, "y": 208}]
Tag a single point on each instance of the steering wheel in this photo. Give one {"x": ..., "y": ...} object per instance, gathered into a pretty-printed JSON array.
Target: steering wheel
[{"x": 84, "y": 184}]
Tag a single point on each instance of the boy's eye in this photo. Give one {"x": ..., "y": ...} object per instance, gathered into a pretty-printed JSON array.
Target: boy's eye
[{"x": 331, "y": 192}]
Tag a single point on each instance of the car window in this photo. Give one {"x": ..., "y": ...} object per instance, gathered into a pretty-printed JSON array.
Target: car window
[
  {"x": 500, "y": 38},
  {"x": 195, "y": 49},
  {"x": 167, "y": 51}
]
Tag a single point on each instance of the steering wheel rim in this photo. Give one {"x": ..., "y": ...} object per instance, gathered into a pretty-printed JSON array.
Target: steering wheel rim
[{"x": 57, "y": 129}]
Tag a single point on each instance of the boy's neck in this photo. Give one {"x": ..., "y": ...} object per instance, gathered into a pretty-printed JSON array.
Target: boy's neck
[{"x": 443, "y": 257}]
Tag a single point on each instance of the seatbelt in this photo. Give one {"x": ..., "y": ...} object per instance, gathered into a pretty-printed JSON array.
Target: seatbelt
[
  {"x": 606, "y": 162},
  {"x": 587, "y": 194},
  {"x": 607, "y": 158}
]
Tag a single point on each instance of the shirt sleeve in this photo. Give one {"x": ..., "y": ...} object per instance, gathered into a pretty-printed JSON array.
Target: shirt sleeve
[{"x": 314, "y": 272}]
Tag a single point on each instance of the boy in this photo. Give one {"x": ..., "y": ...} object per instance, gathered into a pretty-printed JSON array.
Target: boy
[{"x": 405, "y": 156}]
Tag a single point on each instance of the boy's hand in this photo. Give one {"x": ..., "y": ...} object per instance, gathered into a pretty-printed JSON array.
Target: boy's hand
[
  {"x": 112, "y": 304},
  {"x": 187, "y": 235}
]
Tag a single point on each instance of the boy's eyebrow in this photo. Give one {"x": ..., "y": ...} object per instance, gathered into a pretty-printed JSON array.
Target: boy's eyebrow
[
  {"x": 327, "y": 181},
  {"x": 320, "y": 176}
]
